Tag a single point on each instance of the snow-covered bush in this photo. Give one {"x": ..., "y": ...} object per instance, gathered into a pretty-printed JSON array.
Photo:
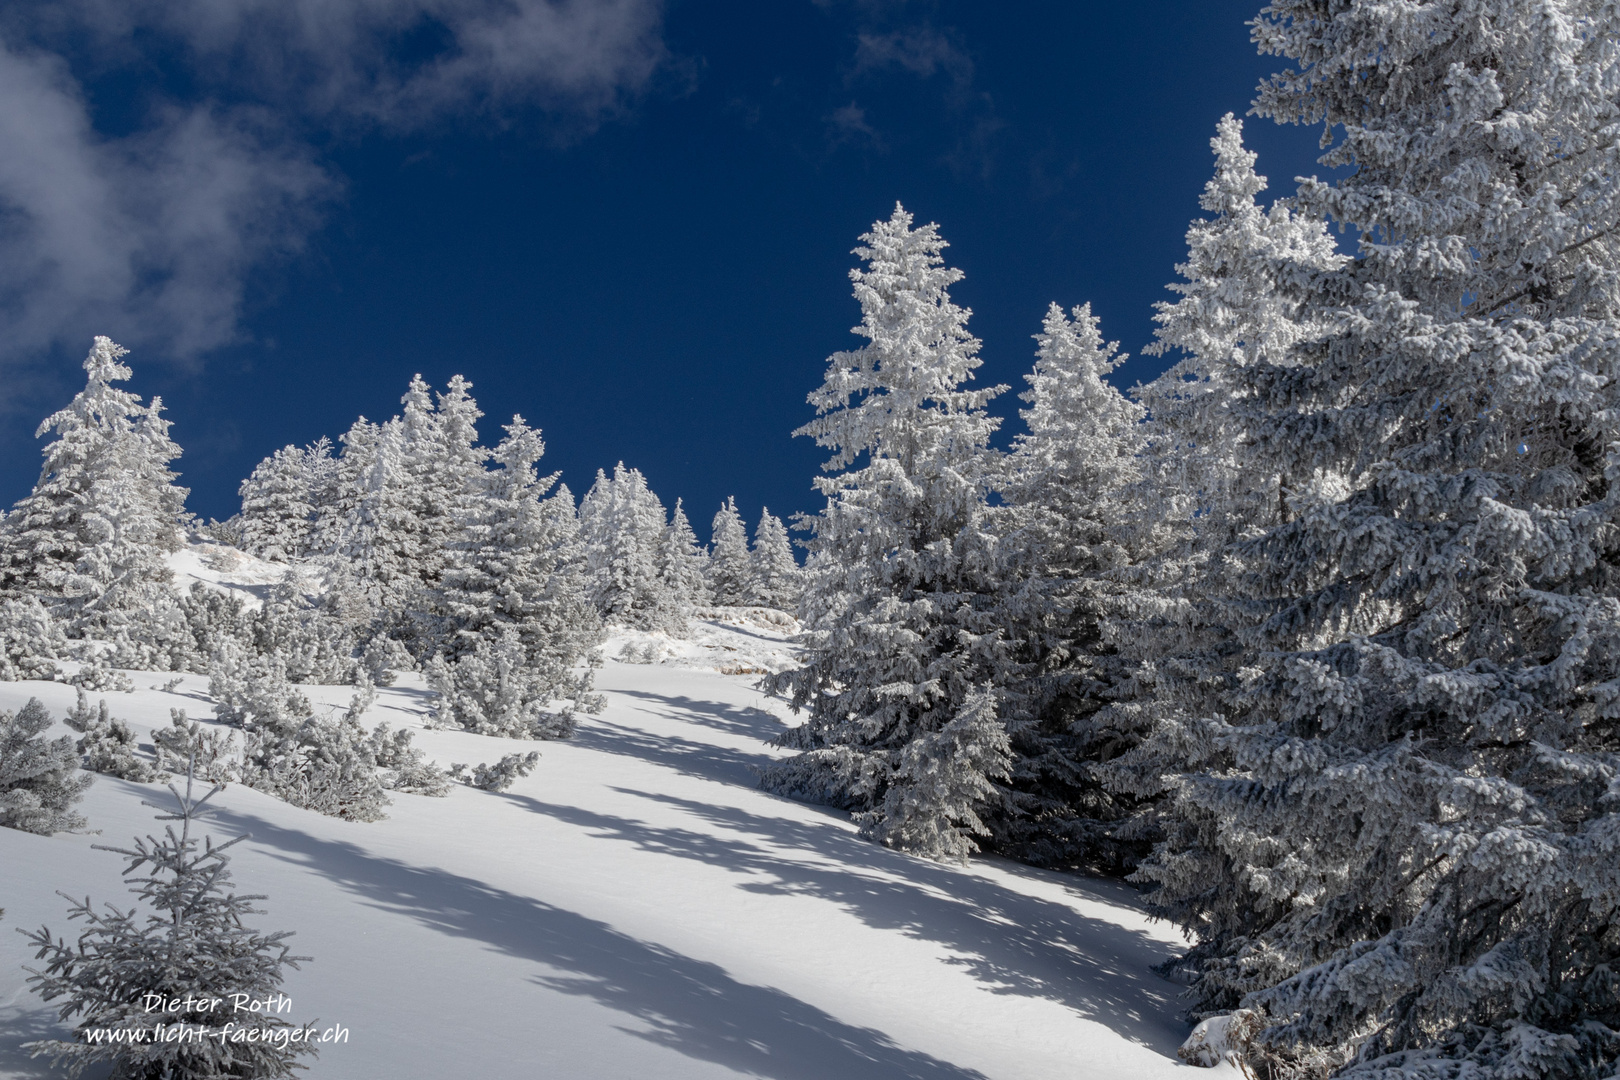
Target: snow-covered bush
[
  {"x": 494, "y": 690},
  {"x": 193, "y": 945},
  {"x": 314, "y": 646},
  {"x": 251, "y": 689},
  {"x": 40, "y": 780},
  {"x": 402, "y": 767},
  {"x": 97, "y": 675},
  {"x": 209, "y": 753},
  {"x": 499, "y": 776},
  {"x": 212, "y": 617},
  {"x": 30, "y": 641},
  {"x": 325, "y": 765},
  {"x": 109, "y": 746}
]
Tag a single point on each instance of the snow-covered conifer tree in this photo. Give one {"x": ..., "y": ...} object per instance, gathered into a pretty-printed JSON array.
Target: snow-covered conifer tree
[
  {"x": 774, "y": 577},
  {"x": 517, "y": 569},
  {"x": 1394, "y": 828},
  {"x": 622, "y": 524},
  {"x": 94, "y": 532},
  {"x": 192, "y": 948},
  {"x": 683, "y": 564},
  {"x": 729, "y": 570},
  {"x": 1070, "y": 531},
  {"x": 280, "y": 500},
  {"x": 899, "y": 647}
]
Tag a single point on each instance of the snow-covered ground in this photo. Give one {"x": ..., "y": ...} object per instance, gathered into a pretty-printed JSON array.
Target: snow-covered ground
[{"x": 634, "y": 908}]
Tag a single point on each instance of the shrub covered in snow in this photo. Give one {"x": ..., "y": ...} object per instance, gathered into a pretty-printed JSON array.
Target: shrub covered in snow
[
  {"x": 499, "y": 776},
  {"x": 186, "y": 744},
  {"x": 109, "y": 746},
  {"x": 325, "y": 765},
  {"x": 30, "y": 640},
  {"x": 494, "y": 690},
  {"x": 40, "y": 780}
]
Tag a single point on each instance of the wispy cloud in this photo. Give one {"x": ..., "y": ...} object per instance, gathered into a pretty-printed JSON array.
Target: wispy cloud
[
  {"x": 921, "y": 50},
  {"x": 848, "y": 123},
  {"x": 151, "y": 235}
]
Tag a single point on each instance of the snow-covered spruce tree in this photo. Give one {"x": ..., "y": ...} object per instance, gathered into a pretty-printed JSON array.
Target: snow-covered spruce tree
[
  {"x": 728, "y": 560},
  {"x": 280, "y": 501},
  {"x": 774, "y": 577},
  {"x": 192, "y": 946},
  {"x": 683, "y": 564},
  {"x": 423, "y": 470},
  {"x": 1071, "y": 532},
  {"x": 336, "y": 501},
  {"x": 40, "y": 780},
  {"x": 93, "y": 534},
  {"x": 622, "y": 524},
  {"x": 899, "y": 640},
  {"x": 1396, "y": 832},
  {"x": 517, "y": 572},
  {"x": 1241, "y": 304}
]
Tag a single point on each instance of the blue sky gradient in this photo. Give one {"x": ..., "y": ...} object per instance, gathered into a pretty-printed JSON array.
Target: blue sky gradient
[{"x": 656, "y": 273}]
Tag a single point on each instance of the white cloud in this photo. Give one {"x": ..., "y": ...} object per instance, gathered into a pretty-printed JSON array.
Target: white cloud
[
  {"x": 921, "y": 50},
  {"x": 399, "y": 62},
  {"x": 151, "y": 236}
]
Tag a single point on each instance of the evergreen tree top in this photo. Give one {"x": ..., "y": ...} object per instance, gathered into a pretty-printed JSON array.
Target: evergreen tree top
[{"x": 919, "y": 354}]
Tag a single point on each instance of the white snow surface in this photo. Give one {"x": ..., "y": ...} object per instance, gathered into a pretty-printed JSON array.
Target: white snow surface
[
  {"x": 634, "y": 908},
  {"x": 222, "y": 567}
]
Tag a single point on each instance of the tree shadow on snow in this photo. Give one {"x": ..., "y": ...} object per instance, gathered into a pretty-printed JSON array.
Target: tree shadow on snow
[
  {"x": 1011, "y": 942},
  {"x": 689, "y": 1005},
  {"x": 742, "y": 720},
  {"x": 690, "y": 757},
  {"x": 32, "y": 1025}
]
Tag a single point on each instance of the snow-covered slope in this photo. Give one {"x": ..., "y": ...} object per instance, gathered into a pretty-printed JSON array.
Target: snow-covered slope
[
  {"x": 222, "y": 567},
  {"x": 635, "y": 908}
]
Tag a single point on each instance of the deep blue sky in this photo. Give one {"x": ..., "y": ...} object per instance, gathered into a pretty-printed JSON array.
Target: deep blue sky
[{"x": 660, "y": 280}]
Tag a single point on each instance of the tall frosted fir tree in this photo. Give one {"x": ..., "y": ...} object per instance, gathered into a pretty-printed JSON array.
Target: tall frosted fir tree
[
  {"x": 622, "y": 524},
  {"x": 1397, "y": 829},
  {"x": 517, "y": 567},
  {"x": 281, "y": 500},
  {"x": 1072, "y": 531},
  {"x": 94, "y": 531},
  {"x": 774, "y": 577},
  {"x": 899, "y": 645},
  {"x": 729, "y": 571},
  {"x": 683, "y": 564},
  {"x": 1240, "y": 304}
]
